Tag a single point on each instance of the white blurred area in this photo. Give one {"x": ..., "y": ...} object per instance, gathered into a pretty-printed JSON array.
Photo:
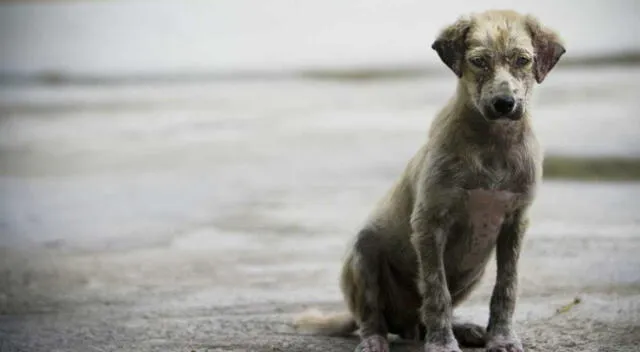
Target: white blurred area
[
  {"x": 138, "y": 162},
  {"x": 159, "y": 36}
]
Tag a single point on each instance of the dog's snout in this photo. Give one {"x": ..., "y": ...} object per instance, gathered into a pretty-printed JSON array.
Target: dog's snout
[{"x": 504, "y": 104}]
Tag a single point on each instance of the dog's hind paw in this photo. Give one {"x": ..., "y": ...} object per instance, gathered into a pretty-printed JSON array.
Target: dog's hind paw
[{"x": 469, "y": 334}]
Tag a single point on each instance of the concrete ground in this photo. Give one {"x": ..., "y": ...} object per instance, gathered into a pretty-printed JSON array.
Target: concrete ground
[{"x": 204, "y": 217}]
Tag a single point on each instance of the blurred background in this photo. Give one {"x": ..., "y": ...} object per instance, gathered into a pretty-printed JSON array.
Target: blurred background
[{"x": 186, "y": 175}]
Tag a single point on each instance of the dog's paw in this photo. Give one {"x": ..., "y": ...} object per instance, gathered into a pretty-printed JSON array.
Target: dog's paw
[
  {"x": 373, "y": 343},
  {"x": 442, "y": 347},
  {"x": 469, "y": 334},
  {"x": 504, "y": 344}
]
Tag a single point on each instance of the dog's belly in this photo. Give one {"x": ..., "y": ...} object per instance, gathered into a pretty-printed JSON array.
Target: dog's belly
[{"x": 470, "y": 248}]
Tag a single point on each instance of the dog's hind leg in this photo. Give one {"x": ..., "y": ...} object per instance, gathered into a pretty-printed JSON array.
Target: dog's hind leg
[
  {"x": 379, "y": 291},
  {"x": 361, "y": 287}
]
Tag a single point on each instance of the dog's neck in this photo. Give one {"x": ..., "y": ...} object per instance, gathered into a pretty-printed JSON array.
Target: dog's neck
[{"x": 469, "y": 124}]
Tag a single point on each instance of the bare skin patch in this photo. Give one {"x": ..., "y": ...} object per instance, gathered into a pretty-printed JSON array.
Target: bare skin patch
[{"x": 487, "y": 210}]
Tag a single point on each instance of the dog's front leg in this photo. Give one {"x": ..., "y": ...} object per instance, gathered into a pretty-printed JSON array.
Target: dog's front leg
[
  {"x": 500, "y": 334},
  {"x": 429, "y": 239}
]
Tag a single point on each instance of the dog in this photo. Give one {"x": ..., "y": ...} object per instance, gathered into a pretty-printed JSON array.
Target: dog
[{"x": 462, "y": 197}]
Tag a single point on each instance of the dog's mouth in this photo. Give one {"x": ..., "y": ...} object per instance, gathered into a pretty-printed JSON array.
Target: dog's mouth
[{"x": 512, "y": 116}]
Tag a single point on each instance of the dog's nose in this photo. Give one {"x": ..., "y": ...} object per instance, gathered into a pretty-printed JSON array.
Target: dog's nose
[{"x": 504, "y": 104}]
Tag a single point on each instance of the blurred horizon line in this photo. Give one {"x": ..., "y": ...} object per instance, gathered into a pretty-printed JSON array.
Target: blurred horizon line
[{"x": 346, "y": 72}]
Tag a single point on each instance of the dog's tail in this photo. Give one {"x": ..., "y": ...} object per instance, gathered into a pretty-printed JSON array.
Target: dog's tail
[{"x": 329, "y": 324}]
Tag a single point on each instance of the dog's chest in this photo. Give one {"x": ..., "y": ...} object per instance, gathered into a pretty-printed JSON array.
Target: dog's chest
[{"x": 486, "y": 212}]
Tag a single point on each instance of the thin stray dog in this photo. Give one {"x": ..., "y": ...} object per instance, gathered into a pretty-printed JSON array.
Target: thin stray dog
[{"x": 466, "y": 192}]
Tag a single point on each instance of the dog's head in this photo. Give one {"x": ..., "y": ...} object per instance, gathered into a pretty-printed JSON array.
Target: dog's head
[{"x": 499, "y": 55}]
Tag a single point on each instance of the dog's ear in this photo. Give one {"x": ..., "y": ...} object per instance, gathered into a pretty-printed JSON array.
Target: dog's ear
[
  {"x": 548, "y": 48},
  {"x": 451, "y": 44}
]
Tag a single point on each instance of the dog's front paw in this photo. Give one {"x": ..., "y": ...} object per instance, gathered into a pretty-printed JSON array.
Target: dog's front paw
[
  {"x": 373, "y": 343},
  {"x": 509, "y": 343},
  {"x": 442, "y": 347}
]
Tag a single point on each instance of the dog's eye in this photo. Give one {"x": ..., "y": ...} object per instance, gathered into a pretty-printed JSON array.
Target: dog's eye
[
  {"x": 522, "y": 61},
  {"x": 479, "y": 62}
]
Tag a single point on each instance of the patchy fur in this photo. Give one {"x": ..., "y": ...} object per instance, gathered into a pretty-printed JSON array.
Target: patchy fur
[{"x": 465, "y": 193}]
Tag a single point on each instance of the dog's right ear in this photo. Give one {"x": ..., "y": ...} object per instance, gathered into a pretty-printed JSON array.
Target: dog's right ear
[{"x": 450, "y": 45}]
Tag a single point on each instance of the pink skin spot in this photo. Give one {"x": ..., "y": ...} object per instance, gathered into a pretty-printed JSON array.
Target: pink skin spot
[
  {"x": 487, "y": 211},
  {"x": 488, "y": 208}
]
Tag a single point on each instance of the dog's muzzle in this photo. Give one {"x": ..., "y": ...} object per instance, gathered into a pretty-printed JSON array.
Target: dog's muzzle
[{"x": 504, "y": 107}]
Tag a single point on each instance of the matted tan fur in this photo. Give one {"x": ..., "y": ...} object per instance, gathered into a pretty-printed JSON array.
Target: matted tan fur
[{"x": 464, "y": 195}]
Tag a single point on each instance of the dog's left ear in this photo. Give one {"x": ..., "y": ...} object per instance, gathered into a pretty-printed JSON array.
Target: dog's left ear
[
  {"x": 548, "y": 48},
  {"x": 450, "y": 45}
]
